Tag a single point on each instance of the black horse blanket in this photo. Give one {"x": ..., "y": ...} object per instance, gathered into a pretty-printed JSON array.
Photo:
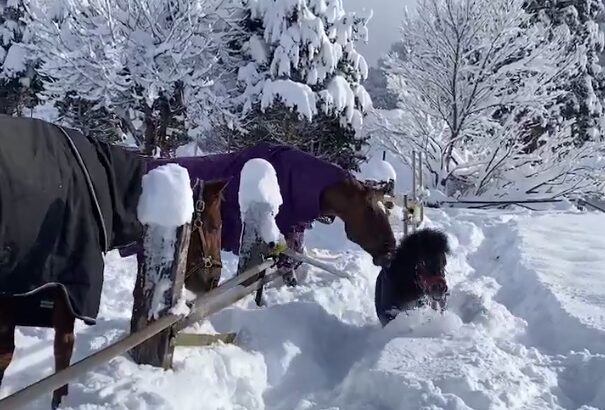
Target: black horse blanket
[
  {"x": 301, "y": 177},
  {"x": 388, "y": 296},
  {"x": 64, "y": 200}
]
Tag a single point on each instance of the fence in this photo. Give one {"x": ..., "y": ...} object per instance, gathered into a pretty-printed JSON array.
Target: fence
[
  {"x": 153, "y": 341},
  {"x": 224, "y": 295}
]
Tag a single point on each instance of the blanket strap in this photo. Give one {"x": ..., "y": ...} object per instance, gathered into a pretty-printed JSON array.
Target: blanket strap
[{"x": 91, "y": 188}]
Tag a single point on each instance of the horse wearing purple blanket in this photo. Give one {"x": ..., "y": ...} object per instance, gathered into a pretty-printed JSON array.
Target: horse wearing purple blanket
[{"x": 311, "y": 188}]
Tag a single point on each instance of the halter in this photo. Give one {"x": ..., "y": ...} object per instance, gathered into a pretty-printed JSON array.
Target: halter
[
  {"x": 208, "y": 261},
  {"x": 432, "y": 285}
]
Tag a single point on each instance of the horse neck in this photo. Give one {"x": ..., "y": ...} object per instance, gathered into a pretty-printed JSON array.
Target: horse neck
[
  {"x": 404, "y": 274},
  {"x": 333, "y": 200}
]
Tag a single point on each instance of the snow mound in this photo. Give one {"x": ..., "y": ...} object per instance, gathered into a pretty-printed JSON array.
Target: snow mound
[
  {"x": 377, "y": 170},
  {"x": 166, "y": 197},
  {"x": 522, "y": 331},
  {"x": 259, "y": 187}
]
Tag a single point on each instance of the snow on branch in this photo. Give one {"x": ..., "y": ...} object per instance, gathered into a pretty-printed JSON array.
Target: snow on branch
[
  {"x": 126, "y": 54},
  {"x": 476, "y": 85},
  {"x": 310, "y": 43}
]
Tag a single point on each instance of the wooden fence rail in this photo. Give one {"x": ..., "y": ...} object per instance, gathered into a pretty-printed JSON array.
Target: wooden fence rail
[{"x": 223, "y": 296}]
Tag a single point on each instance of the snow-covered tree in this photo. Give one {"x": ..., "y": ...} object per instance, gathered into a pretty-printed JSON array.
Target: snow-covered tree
[
  {"x": 377, "y": 86},
  {"x": 301, "y": 77},
  {"x": 152, "y": 64},
  {"x": 19, "y": 83},
  {"x": 474, "y": 78},
  {"x": 584, "y": 88},
  {"x": 91, "y": 119}
]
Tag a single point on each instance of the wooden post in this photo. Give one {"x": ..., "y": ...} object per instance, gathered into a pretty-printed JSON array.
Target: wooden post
[
  {"x": 159, "y": 284},
  {"x": 253, "y": 249}
]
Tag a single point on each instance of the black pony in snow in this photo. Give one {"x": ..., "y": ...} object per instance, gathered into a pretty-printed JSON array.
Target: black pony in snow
[{"x": 415, "y": 276}]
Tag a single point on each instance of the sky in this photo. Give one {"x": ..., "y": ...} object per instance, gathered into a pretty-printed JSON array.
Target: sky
[{"x": 383, "y": 27}]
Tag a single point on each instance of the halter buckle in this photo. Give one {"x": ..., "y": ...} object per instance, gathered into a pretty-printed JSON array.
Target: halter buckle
[{"x": 207, "y": 262}]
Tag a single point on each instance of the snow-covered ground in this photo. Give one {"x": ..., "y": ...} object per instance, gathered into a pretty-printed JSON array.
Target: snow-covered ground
[{"x": 525, "y": 329}]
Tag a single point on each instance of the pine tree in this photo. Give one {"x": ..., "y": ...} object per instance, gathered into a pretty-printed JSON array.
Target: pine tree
[
  {"x": 89, "y": 118},
  {"x": 19, "y": 83},
  {"x": 583, "y": 88},
  {"x": 301, "y": 77}
]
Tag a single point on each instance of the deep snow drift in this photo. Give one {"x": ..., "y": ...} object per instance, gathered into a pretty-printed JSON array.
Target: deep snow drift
[{"x": 524, "y": 330}]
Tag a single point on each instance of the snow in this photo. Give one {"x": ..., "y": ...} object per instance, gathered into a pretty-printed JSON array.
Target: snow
[
  {"x": 166, "y": 197},
  {"x": 291, "y": 94},
  {"x": 257, "y": 49},
  {"x": 303, "y": 43},
  {"x": 260, "y": 197},
  {"x": 524, "y": 329},
  {"x": 15, "y": 61},
  {"x": 164, "y": 205},
  {"x": 377, "y": 170}
]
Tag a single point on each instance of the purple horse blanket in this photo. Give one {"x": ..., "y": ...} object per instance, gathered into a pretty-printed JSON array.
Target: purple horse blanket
[{"x": 301, "y": 176}]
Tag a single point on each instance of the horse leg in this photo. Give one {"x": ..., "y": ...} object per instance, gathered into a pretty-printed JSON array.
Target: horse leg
[
  {"x": 294, "y": 240},
  {"x": 7, "y": 342},
  {"x": 63, "y": 322}
]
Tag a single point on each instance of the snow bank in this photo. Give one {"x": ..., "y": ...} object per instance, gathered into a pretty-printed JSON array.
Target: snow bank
[
  {"x": 166, "y": 197},
  {"x": 523, "y": 330},
  {"x": 260, "y": 197}
]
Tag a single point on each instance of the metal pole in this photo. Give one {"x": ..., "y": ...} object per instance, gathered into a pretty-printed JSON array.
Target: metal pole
[
  {"x": 209, "y": 304},
  {"x": 303, "y": 258},
  {"x": 217, "y": 299},
  {"x": 413, "y": 175},
  {"x": 421, "y": 184},
  {"x": 420, "y": 176},
  {"x": 405, "y": 215}
]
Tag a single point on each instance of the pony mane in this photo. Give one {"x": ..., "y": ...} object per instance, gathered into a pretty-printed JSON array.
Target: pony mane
[{"x": 430, "y": 241}]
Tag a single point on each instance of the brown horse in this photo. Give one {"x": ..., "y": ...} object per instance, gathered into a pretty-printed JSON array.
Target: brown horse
[
  {"x": 203, "y": 264},
  {"x": 366, "y": 222},
  {"x": 311, "y": 189}
]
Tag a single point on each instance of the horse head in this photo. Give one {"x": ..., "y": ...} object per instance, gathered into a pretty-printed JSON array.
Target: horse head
[
  {"x": 204, "y": 263},
  {"x": 365, "y": 217}
]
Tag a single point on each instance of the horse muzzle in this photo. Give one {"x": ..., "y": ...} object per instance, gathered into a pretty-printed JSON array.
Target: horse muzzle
[
  {"x": 435, "y": 287},
  {"x": 382, "y": 261}
]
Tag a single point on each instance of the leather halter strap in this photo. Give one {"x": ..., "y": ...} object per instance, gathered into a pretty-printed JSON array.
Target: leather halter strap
[{"x": 207, "y": 260}]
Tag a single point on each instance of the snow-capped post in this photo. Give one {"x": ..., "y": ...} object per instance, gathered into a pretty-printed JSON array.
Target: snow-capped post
[
  {"x": 166, "y": 209},
  {"x": 380, "y": 174},
  {"x": 259, "y": 202}
]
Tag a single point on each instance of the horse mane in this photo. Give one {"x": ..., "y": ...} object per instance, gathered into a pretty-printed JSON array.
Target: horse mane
[{"x": 427, "y": 241}]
